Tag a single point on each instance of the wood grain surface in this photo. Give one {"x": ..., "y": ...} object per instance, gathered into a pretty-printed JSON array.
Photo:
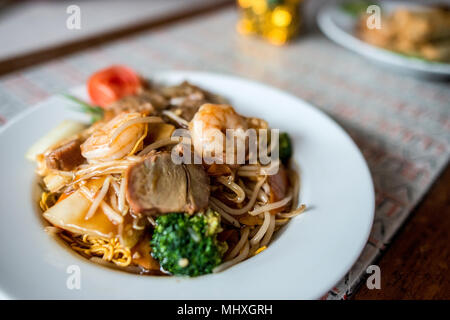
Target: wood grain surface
[{"x": 417, "y": 263}]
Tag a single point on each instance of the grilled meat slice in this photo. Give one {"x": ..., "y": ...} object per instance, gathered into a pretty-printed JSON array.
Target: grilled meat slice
[
  {"x": 66, "y": 156},
  {"x": 157, "y": 186}
]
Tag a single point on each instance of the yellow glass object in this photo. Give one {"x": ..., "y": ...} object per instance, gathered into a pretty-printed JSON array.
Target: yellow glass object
[
  {"x": 259, "y": 6},
  {"x": 245, "y": 3},
  {"x": 245, "y": 26},
  {"x": 277, "y": 21},
  {"x": 277, "y": 36},
  {"x": 281, "y": 17}
]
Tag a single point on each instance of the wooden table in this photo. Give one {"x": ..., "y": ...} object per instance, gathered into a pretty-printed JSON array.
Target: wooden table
[
  {"x": 415, "y": 266},
  {"x": 417, "y": 263}
]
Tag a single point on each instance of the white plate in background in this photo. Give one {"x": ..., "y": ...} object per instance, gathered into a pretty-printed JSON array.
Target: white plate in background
[
  {"x": 339, "y": 26},
  {"x": 307, "y": 258}
]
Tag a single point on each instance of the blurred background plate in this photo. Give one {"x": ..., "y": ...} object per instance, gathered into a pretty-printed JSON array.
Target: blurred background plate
[{"x": 339, "y": 26}]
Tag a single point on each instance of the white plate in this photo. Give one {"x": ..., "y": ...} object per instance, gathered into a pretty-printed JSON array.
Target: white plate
[
  {"x": 339, "y": 26},
  {"x": 305, "y": 260}
]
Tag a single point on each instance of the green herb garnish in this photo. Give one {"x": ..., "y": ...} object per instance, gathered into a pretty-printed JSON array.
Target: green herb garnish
[
  {"x": 95, "y": 112},
  {"x": 188, "y": 245}
]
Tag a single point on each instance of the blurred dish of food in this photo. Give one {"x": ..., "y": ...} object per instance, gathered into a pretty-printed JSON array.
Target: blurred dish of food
[
  {"x": 115, "y": 193},
  {"x": 420, "y": 53},
  {"x": 277, "y": 21},
  {"x": 422, "y": 33},
  {"x": 335, "y": 183}
]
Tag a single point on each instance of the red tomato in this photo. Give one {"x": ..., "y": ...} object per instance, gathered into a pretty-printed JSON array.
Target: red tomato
[{"x": 111, "y": 84}]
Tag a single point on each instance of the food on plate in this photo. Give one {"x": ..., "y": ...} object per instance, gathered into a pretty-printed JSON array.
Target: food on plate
[
  {"x": 156, "y": 185},
  {"x": 420, "y": 32},
  {"x": 178, "y": 236}
]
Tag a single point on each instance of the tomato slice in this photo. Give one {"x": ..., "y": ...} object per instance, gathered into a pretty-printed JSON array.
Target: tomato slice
[{"x": 111, "y": 84}]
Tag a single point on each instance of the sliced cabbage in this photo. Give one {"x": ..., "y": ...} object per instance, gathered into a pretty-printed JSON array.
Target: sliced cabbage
[{"x": 69, "y": 214}]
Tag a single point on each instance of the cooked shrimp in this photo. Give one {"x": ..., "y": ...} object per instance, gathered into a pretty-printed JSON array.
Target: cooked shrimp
[
  {"x": 208, "y": 129},
  {"x": 115, "y": 139}
]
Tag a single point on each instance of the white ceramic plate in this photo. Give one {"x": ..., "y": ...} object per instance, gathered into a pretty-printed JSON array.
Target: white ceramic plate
[
  {"x": 339, "y": 26},
  {"x": 306, "y": 259}
]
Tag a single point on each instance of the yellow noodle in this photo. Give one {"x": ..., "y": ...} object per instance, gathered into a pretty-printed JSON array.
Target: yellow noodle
[{"x": 108, "y": 249}]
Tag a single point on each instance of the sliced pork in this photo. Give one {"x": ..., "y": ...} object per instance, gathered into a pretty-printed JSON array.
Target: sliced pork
[
  {"x": 65, "y": 157},
  {"x": 157, "y": 186}
]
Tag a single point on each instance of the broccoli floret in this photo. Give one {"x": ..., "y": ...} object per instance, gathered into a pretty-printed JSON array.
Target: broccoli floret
[
  {"x": 188, "y": 245},
  {"x": 285, "y": 147}
]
